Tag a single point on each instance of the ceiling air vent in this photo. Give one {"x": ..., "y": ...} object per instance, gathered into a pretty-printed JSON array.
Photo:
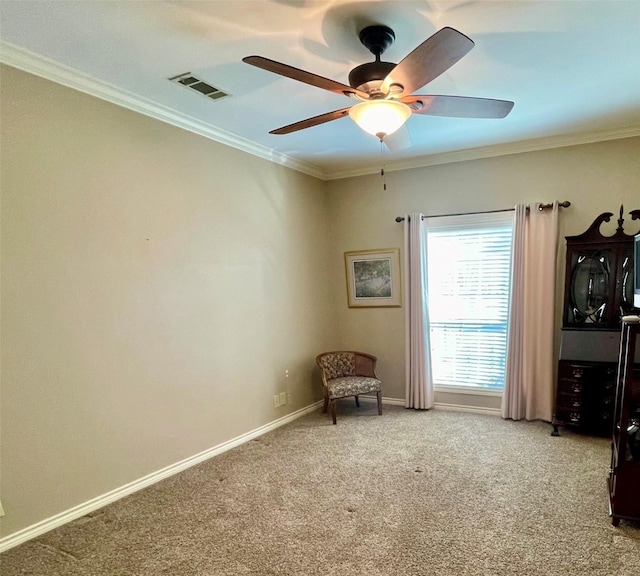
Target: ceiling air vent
[{"x": 190, "y": 81}]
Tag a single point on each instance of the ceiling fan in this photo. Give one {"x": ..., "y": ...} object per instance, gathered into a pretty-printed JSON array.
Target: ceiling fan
[{"x": 385, "y": 89}]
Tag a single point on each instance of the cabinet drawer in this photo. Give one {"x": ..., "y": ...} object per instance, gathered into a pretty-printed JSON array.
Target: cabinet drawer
[
  {"x": 570, "y": 401},
  {"x": 577, "y": 371},
  {"x": 569, "y": 416},
  {"x": 603, "y": 419},
  {"x": 566, "y": 386}
]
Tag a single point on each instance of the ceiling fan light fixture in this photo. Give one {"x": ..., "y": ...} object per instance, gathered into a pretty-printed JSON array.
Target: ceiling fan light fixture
[{"x": 380, "y": 116}]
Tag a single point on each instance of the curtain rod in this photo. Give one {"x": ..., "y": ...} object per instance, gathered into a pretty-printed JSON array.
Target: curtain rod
[{"x": 564, "y": 204}]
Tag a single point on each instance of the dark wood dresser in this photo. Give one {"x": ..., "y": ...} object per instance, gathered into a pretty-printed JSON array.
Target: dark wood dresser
[
  {"x": 624, "y": 476},
  {"x": 585, "y": 397}
]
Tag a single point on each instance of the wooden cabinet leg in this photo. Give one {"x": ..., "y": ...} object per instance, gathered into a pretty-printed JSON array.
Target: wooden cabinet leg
[
  {"x": 615, "y": 521},
  {"x": 555, "y": 430}
]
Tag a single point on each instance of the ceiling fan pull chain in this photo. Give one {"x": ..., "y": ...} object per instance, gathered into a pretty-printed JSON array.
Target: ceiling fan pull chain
[{"x": 384, "y": 181}]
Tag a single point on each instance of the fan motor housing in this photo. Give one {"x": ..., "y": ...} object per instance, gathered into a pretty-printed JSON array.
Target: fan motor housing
[{"x": 361, "y": 76}]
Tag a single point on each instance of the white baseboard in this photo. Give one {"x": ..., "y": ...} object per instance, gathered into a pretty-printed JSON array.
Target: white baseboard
[
  {"x": 48, "y": 524},
  {"x": 463, "y": 408},
  {"x": 439, "y": 406},
  {"x": 85, "y": 508},
  {"x": 392, "y": 401}
]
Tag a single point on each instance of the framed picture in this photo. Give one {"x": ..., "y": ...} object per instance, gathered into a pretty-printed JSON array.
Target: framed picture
[{"x": 373, "y": 278}]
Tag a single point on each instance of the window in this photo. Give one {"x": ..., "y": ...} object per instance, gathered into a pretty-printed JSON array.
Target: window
[{"x": 469, "y": 280}]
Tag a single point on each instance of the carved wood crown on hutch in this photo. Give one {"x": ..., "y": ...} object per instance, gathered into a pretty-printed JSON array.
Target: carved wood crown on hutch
[{"x": 593, "y": 234}]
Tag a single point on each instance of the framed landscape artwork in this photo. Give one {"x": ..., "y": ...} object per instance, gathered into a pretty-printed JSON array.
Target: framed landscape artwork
[{"x": 373, "y": 278}]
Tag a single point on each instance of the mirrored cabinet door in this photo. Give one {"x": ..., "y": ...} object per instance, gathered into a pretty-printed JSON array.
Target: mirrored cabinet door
[
  {"x": 590, "y": 287},
  {"x": 626, "y": 283}
]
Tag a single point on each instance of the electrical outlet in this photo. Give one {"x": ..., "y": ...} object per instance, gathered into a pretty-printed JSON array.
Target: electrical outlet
[
  {"x": 1, "y": 510},
  {"x": 283, "y": 398},
  {"x": 276, "y": 401}
]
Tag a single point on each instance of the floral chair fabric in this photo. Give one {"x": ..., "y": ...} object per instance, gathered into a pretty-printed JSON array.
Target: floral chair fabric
[
  {"x": 347, "y": 373},
  {"x": 338, "y": 364},
  {"x": 352, "y": 386}
]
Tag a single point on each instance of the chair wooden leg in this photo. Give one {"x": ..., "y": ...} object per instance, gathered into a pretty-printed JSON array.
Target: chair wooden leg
[
  {"x": 379, "y": 395},
  {"x": 326, "y": 402},
  {"x": 333, "y": 411},
  {"x": 357, "y": 401}
]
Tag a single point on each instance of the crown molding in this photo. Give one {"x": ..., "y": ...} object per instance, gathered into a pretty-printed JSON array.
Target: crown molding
[
  {"x": 28, "y": 61},
  {"x": 492, "y": 151}
]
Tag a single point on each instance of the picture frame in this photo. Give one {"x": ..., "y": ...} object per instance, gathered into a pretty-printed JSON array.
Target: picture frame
[{"x": 373, "y": 278}]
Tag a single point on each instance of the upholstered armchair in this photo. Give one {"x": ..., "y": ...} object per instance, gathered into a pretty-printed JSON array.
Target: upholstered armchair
[{"x": 347, "y": 373}]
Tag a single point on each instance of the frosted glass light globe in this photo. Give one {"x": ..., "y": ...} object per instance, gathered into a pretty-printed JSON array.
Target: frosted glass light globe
[{"x": 380, "y": 117}]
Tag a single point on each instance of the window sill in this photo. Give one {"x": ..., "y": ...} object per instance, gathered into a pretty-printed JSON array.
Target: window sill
[{"x": 473, "y": 390}]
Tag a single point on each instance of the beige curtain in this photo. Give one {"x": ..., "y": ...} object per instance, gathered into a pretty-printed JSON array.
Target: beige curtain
[
  {"x": 418, "y": 382},
  {"x": 528, "y": 391}
]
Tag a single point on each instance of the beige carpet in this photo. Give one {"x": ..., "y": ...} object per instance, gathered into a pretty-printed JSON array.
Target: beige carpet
[{"x": 408, "y": 493}]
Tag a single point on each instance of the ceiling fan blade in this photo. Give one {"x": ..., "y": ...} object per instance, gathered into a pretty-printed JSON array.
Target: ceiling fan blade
[
  {"x": 458, "y": 106},
  {"x": 309, "y": 122},
  {"x": 433, "y": 57},
  {"x": 303, "y": 76},
  {"x": 398, "y": 140}
]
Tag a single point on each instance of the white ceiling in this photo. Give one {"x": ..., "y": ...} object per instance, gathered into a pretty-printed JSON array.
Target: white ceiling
[{"x": 571, "y": 67}]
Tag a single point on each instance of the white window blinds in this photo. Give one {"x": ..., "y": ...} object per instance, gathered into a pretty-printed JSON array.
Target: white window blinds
[{"x": 469, "y": 262}]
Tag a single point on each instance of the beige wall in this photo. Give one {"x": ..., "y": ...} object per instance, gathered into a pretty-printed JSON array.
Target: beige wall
[
  {"x": 596, "y": 178},
  {"x": 155, "y": 287}
]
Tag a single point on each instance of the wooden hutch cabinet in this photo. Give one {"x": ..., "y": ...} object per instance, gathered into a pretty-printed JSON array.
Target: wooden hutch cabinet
[{"x": 598, "y": 292}]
